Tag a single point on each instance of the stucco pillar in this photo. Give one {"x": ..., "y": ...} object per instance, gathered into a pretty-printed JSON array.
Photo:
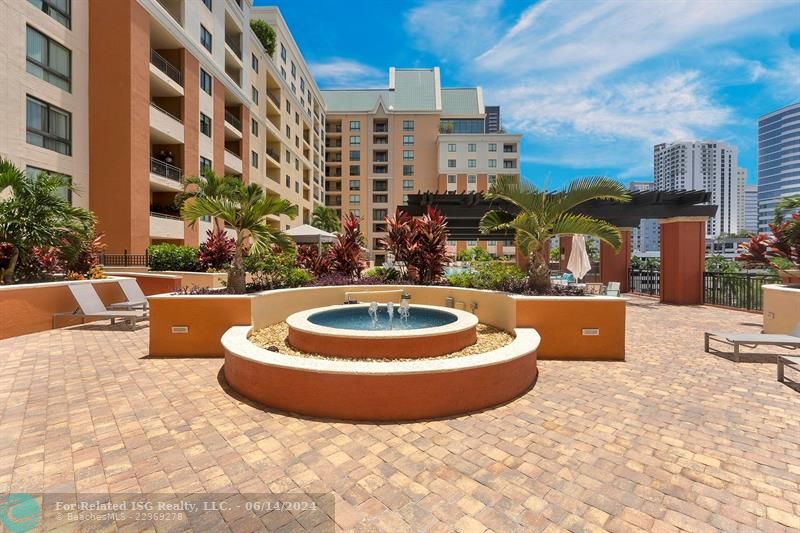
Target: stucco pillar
[
  {"x": 191, "y": 126},
  {"x": 564, "y": 249},
  {"x": 683, "y": 250},
  {"x": 614, "y": 266}
]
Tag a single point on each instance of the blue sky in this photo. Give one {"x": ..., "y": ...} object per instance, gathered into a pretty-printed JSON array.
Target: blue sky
[{"x": 591, "y": 85}]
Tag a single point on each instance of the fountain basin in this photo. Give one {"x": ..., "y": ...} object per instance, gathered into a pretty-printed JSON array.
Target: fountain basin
[{"x": 346, "y": 331}]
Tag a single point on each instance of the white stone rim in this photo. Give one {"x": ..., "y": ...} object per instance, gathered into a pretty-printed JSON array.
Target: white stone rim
[
  {"x": 299, "y": 322},
  {"x": 236, "y": 342}
]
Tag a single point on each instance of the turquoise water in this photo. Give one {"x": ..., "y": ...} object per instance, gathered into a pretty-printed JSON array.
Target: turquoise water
[{"x": 351, "y": 317}]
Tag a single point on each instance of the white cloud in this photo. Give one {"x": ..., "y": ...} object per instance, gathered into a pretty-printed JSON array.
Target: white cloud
[
  {"x": 605, "y": 80},
  {"x": 338, "y": 72}
]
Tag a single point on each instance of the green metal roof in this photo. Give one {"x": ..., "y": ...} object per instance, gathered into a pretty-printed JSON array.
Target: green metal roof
[
  {"x": 415, "y": 90},
  {"x": 460, "y": 101},
  {"x": 355, "y": 100}
]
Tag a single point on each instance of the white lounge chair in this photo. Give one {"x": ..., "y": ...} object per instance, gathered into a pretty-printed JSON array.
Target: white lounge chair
[
  {"x": 135, "y": 298},
  {"x": 791, "y": 362},
  {"x": 789, "y": 341},
  {"x": 90, "y": 306},
  {"x": 612, "y": 289}
]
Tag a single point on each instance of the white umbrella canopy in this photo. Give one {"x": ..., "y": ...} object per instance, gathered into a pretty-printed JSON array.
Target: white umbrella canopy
[
  {"x": 579, "y": 263},
  {"x": 307, "y": 234}
]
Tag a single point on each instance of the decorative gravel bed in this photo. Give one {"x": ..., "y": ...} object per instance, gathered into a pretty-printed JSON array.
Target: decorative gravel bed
[{"x": 274, "y": 338}]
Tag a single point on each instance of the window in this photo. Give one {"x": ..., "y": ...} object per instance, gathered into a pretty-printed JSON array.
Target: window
[
  {"x": 205, "y": 124},
  {"x": 408, "y": 185},
  {"x": 48, "y": 60},
  {"x": 355, "y": 170},
  {"x": 405, "y": 199},
  {"x": 379, "y": 214},
  {"x": 451, "y": 163},
  {"x": 451, "y": 178},
  {"x": 509, "y": 148},
  {"x": 472, "y": 244},
  {"x": 283, "y": 72},
  {"x": 205, "y": 81},
  {"x": 64, "y": 192},
  {"x": 493, "y": 163},
  {"x": 355, "y": 139},
  {"x": 355, "y": 185},
  {"x": 492, "y": 147},
  {"x": 48, "y": 126},
  {"x": 57, "y": 9},
  {"x": 297, "y": 187},
  {"x": 208, "y": 4},
  {"x": 205, "y": 38},
  {"x": 254, "y": 62},
  {"x": 288, "y": 106},
  {"x": 283, "y": 53},
  {"x": 355, "y": 155},
  {"x": 471, "y": 147},
  {"x": 254, "y": 159},
  {"x": 205, "y": 164},
  {"x": 408, "y": 170},
  {"x": 288, "y": 157},
  {"x": 297, "y": 141},
  {"x": 472, "y": 179},
  {"x": 380, "y": 198},
  {"x": 302, "y": 85},
  {"x": 355, "y": 199},
  {"x": 471, "y": 163},
  {"x": 408, "y": 155},
  {"x": 294, "y": 72},
  {"x": 408, "y": 125},
  {"x": 509, "y": 163},
  {"x": 288, "y": 181},
  {"x": 355, "y": 125},
  {"x": 491, "y": 243},
  {"x": 297, "y": 118},
  {"x": 408, "y": 140},
  {"x": 451, "y": 147},
  {"x": 255, "y": 95},
  {"x": 355, "y": 212},
  {"x": 491, "y": 179},
  {"x": 288, "y": 132}
]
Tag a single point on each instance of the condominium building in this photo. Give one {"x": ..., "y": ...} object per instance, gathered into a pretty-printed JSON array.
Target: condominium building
[
  {"x": 127, "y": 97},
  {"x": 493, "y": 122},
  {"x": 703, "y": 165},
  {"x": 414, "y": 135},
  {"x": 646, "y": 237},
  {"x": 750, "y": 208},
  {"x": 778, "y": 162}
]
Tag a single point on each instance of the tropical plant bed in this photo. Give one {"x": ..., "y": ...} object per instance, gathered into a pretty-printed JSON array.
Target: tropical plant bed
[{"x": 275, "y": 338}]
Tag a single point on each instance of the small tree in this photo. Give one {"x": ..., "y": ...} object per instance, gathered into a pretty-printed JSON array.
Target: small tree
[
  {"x": 265, "y": 34},
  {"x": 345, "y": 253},
  {"x": 326, "y": 219},
  {"x": 398, "y": 238},
  {"x": 419, "y": 243}
]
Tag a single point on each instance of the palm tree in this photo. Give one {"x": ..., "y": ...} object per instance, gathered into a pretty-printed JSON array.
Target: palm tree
[
  {"x": 36, "y": 213},
  {"x": 208, "y": 184},
  {"x": 325, "y": 219},
  {"x": 538, "y": 215},
  {"x": 245, "y": 208}
]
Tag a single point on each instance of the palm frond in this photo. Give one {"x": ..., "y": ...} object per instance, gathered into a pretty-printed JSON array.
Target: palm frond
[
  {"x": 495, "y": 220},
  {"x": 521, "y": 194},
  {"x": 586, "y": 189},
  {"x": 572, "y": 224}
]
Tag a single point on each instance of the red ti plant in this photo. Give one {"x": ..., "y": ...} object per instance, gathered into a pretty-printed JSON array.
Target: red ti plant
[
  {"x": 310, "y": 259},
  {"x": 420, "y": 243},
  {"x": 399, "y": 229},
  {"x": 781, "y": 250},
  {"x": 217, "y": 252},
  {"x": 346, "y": 254}
]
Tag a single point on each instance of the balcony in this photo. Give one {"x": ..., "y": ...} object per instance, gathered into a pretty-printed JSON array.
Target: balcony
[
  {"x": 164, "y": 226},
  {"x": 233, "y": 126},
  {"x": 165, "y": 66},
  {"x": 233, "y": 163},
  {"x": 273, "y": 156},
  {"x": 274, "y": 99},
  {"x": 165, "y": 78},
  {"x": 165, "y": 128},
  {"x": 380, "y": 127},
  {"x": 165, "y": 177},
  {"x": 173, "y": 7},
  {"x": 333, "y": 128}
]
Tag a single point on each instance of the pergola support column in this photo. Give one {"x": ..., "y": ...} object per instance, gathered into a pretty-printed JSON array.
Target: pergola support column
[
  {"x": 683, "y": 253},
  {"x": 565, "y": 248},
  {"x": 615, "y": 266}
]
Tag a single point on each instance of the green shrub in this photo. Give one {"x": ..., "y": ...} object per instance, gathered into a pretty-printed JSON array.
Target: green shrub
[
  {"x": 489, "y": 275},
  {"x": 475, "y": 253},
  {"x": 173, "y": 257},
  {"x": 265, "y": 34},
  {"x": 275, "y": 270},
  {"x": 382, "y": 273}
]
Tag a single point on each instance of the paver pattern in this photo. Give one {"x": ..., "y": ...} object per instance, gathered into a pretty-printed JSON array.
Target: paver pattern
[{"x": 672, "y": 439}]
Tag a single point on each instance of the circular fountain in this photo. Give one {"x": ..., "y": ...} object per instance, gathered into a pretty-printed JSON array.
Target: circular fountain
[{"x": 382, "y": 331}]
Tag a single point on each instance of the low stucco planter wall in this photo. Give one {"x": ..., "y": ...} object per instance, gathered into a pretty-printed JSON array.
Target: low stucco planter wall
[
  {"x": 781, "y": 308},
  {"x": 380, "y": 390},
  {"x": 560, "y": 321},
  {"x": 28, "y": 308},
  {"x": 206, "y": 280}
]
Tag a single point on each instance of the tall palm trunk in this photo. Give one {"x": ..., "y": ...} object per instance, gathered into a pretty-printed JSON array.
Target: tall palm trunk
[{"x": 236, "y": 273}]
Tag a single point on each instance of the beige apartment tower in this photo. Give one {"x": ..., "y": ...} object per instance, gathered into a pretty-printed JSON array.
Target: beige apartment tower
[
  {"x": 384, "y": 144},
  {"x": 127, "y": 97}
]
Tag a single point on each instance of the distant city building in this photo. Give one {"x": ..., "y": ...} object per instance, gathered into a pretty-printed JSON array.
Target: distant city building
[
  {"x": 727, "y": 247},
  {"x": 741, "y": 177},
  {"x": 750, "y": 208},
  {"x": 778, "y": 163},
  {"x": 493, "y": 124},
  {"x": 646, "y": 236},
  {"x": 702, "y": 165}
]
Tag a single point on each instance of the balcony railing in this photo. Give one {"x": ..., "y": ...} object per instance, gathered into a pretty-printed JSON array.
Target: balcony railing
[
  {"x": 165, "y": 111},
  {"x": 333, "y": 129},
  {"x": 165, "y": 169},
  {"x": 274, "y": 99},
  {"x": 273, "y": 154},
  {"x": 380, "y": 128},
  {"x": 233, "y": 42},
  {"x": 165, "y": 66},
  {"x": 233, "y": 120},
  {"x": 168, "y": 216}
]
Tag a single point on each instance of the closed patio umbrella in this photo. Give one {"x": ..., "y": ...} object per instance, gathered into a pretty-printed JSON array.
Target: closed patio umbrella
[{"x": 579, "y": 263}]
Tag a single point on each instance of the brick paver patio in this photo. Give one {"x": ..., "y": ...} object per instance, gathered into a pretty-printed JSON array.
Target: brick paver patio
[{"x": 672, "y": 439}]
